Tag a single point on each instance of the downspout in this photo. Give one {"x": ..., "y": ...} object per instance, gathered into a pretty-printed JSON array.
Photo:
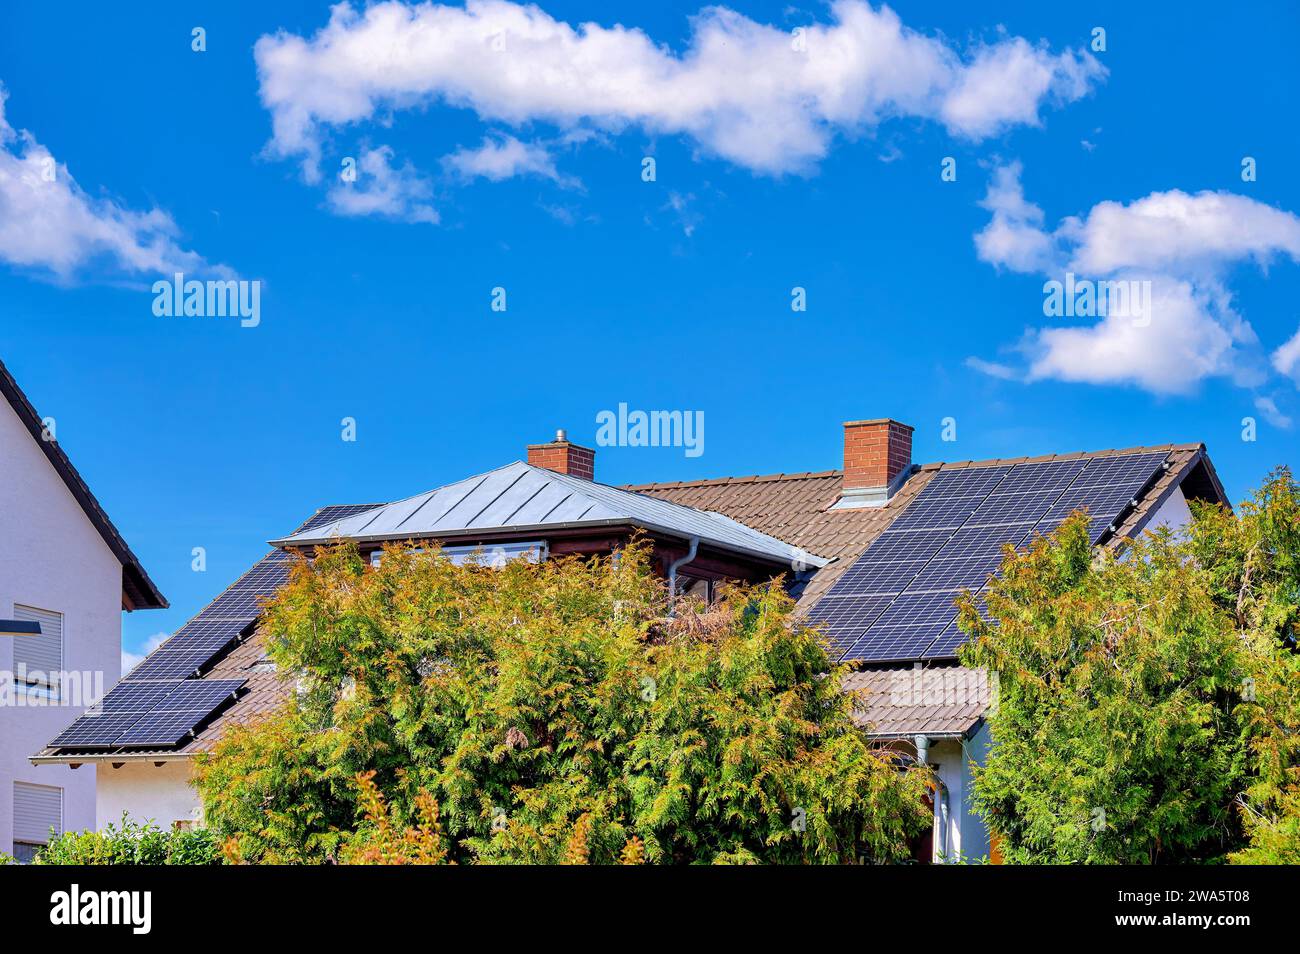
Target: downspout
[
  {"x": 922, "y": 744},
  {"x": 672, "y": 567}
]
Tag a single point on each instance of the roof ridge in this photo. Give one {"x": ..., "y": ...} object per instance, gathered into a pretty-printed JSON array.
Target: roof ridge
[
  {"x": 933, "y": 465},
  {"x": 751, "y": 478}
]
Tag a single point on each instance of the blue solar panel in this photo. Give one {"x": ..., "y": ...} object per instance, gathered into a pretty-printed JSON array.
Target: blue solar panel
[
  {"x": 892, "y": 546},
  {"x": 967, "y": 481},
  {"x": 130, "y": 711},
  {"x": 896, "y": 602},
  {"x": 333, "y": 514},
  {"x": 170, "y": 664},
  {"x": 1040, "y": 478},
  {"x": 955, "y": 574},
  {"x": 864, "y": 579},
  {"x": 243, "y": 599},
  {"x": 1012, "y": 508},
  {"x": 936, "y": 511},
  {"x": 163, "y": 728}
]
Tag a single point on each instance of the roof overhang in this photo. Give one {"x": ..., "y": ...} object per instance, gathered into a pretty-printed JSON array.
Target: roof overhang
[
  {"x": 542, "y": 530},
  {"x": 87, "y": 758}
]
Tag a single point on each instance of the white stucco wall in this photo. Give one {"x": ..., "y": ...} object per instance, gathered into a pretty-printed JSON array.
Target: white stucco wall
[
  {"x": 147, "y": 792},
  {"x": 51, "y": 557},
  {"x": 1173, "y": 513},
  {"x": 967, "y": 837}
]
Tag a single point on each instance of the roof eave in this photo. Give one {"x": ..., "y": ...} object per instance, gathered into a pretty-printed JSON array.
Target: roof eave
[
  {"x": 60, "y": 758},
  {"x": 534, "y": 529}
]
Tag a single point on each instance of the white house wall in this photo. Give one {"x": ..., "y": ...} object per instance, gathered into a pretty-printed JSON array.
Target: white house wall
[
  {"x": 147, "y": 792},
  {"x": 966, "y": 836},
  {"x": 1173, "y": 513},
  {"x": 52, "y": 558}
]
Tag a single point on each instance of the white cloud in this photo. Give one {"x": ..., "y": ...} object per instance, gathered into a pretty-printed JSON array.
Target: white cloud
[
  {"x": 1268, "y": 407},
  {"x": 1014, "y": 238},
  {"x": 739, "y": 90},
  {"x": 48, "y": 223},
  {"x": 380, "y": 188},
  {"x": 1180, "y": 233},
  {"x": 504, "y": 158},
  {"x": 1183, "y": 245},
  {"x": 993, "y": 369},
  {"x": 130, "y": 660},
  {"x": 1286, "y": 359}
]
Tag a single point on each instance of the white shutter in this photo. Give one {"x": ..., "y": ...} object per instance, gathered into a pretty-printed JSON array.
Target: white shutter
[
  {"x": 37, "y": 809},
  {"x": 41, "y": 654}
]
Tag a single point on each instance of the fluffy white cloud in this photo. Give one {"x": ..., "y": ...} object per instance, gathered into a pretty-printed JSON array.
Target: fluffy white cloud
[
  {"x": 1014, "y": 237},
  {"x": 48, "y": 223},
  {"x": 1286, "y": 359},
  {"x": 504, "y": 158},
  {"x": 381, "y": 188},
  {"x": 1181, "y": 233},
  {"x": 749, "y": 92},
  {"x": 1182, "y": 245}
]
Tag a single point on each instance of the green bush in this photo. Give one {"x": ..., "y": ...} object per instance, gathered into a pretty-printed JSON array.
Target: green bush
[{"x": 132, "y": 843}]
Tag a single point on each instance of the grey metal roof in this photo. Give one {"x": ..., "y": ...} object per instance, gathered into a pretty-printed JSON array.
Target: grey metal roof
[{"x": 521, "y": 497}]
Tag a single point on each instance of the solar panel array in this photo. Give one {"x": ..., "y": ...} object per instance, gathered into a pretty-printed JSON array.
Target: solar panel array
[
  {"x": 896, "y": 602},
  {"x": 151, "y": 714},
  {"x": 160, "y": 702}
]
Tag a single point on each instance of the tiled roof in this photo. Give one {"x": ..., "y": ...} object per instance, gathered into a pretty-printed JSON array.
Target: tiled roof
[
  {"x": 910, "y": 700},
  {"x": 795, "y": 508}
]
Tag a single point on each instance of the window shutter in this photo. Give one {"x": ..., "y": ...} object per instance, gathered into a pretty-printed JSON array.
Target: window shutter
[
  {"x": 40, "y": 654},
  {"x": 37, "y": 809}
]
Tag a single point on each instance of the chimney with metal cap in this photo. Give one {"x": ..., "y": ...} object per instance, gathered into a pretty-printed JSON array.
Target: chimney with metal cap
[
  {"x": 564, "y": 457},
  {"x": 877, "y": 461}
]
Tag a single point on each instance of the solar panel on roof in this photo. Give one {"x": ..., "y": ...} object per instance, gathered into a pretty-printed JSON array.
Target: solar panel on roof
[
  {"x": 863, "y": 579},
  {"x": 164, "y": 729},
  {"x": 96, "y": 731},
  {"x": 129, "y": 713},
  {"x": 333, "y": 514},
  {"x": 1012, "y": 508},
  {"x": 953, "y": 539},
  {"x": 892, "y": 546},
  {"x": 892, "y": 645},
  {"x": 199, "y": 694},
  {"x": 137, "y": 697},
  {"x": 938, "y": 511},
  {"x": 169, "y": 664},
  {"x": 1040, "y": 478},
  {"x": 954, "y": 574},
  {"x": 968, "y": 481},
  {"x": 244, "y": 598}
]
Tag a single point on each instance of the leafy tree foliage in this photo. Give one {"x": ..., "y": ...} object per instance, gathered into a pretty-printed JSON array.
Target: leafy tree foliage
[
  {"x": 1253, "y": 565},
  {"x": 1147, "y": 704},
  {"x": 132, "y": 843},
  {"x": 548, "y": 713}
]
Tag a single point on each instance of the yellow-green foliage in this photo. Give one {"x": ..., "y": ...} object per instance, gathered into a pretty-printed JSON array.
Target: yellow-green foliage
[
  {"x": 1147, "y": 706},
  {"x": 548, "y": 713}
]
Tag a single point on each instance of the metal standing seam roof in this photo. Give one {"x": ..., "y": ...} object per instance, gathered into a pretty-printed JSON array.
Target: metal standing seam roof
[{"x": 520, "y": 498}]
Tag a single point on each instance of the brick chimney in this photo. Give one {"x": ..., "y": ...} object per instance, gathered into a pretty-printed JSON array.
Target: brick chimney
[
  {"x": 877, "y": 459},
  {"x": 564, "y": 457}
]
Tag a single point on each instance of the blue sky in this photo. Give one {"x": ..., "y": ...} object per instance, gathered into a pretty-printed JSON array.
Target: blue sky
[{"x": 671, "y": 294}]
